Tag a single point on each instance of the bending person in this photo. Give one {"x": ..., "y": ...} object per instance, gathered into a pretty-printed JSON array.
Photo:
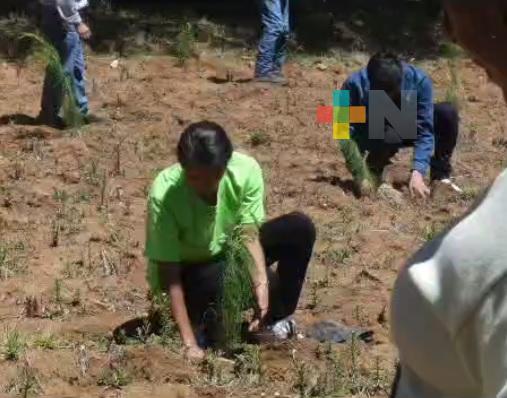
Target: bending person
[{"x": 192, "y": 207}]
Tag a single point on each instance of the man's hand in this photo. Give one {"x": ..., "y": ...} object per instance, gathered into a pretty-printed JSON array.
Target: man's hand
[
  {"x": 262, "y": 295},
  {"x": 417, "y": 185},
  {"x": 84, "y": 31},
  {"x": 194, "y": 353}
]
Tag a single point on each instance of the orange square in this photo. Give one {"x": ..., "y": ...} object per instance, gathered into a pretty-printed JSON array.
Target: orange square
[{"x": 357, "y": 114}]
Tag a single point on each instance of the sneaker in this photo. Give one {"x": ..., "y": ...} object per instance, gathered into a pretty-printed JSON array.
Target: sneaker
[
  {"x": 55, "y": 122},
  {"x": 452, "y": 185},
  {"x": 283, "y": 329},
  {"x": 444, "y": 189},
  {"x": 273, "y": 79}
]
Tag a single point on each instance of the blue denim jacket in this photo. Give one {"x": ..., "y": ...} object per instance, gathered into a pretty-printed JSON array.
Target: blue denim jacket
[{"x": 413, "y": 79}]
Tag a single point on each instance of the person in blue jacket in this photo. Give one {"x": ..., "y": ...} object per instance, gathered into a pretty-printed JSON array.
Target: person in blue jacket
[{"x": 437, "y": 124}]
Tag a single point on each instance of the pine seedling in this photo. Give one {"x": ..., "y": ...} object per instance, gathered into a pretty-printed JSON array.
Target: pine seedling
[
  {"x": 237, "y": 294},
  {"x": 47, "y": 54},
  {"x": 452, "y": 93},
  {"x": 184, "y": 46},
  {"x": 357, "y": 166}
]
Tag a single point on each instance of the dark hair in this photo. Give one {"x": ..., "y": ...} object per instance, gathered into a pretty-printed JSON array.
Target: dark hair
[
  {"x": 385, "y": 71},
  {"x": 204, "y": 144}
]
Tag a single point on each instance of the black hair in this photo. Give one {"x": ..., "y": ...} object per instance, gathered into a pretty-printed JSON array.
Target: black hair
[
  {"x": 204, "y": 144},
  {"x": 385, "y": 71}
]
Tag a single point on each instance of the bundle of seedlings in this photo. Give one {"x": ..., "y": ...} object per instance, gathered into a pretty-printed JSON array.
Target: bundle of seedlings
[
  {"x": 364, "y": 179},
  {"x": 47, "y": 54},
  {"x": 236, "y": 289}
]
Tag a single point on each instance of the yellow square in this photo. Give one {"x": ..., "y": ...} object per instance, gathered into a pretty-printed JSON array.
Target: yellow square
[{"x": 341, "y": 131}]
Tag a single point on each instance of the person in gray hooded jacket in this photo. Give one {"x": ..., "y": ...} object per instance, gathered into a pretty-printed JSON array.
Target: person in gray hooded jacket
[{"x": 63, "y": 26}]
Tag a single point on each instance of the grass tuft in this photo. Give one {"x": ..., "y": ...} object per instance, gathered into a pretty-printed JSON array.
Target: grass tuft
[{"x": 14, "y": 345}]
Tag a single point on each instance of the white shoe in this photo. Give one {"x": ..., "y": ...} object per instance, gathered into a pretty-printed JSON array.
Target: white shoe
[
  {"x": 284, "y": 329},
  {"x": 447, "y": 181}
]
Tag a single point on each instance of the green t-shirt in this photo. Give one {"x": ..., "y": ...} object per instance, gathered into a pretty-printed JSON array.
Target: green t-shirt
[{"x": 182, "y": 228}]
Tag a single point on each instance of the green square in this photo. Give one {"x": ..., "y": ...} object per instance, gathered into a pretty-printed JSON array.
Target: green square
[{"x": 341, "y": 114}]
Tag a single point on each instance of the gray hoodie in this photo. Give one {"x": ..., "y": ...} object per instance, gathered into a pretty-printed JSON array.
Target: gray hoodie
[
  {"x": 67, "y": 9},
  {"x": 449, "y": 308}
]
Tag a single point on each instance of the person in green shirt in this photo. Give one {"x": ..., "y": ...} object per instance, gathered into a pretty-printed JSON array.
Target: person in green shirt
[{"x": 192, "y": 206}]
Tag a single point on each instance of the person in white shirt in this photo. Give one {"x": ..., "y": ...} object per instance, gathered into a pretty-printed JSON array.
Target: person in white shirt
[
  {"x": 449, "y": 304},
  {"x": 64, "y": 28}
]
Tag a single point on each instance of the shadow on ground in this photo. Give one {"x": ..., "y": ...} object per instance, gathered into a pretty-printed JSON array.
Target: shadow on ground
[
  {"x": 412, "y": 27},
  {"x": 348, "y": 186},
  {"x": 19, "y": 119}
]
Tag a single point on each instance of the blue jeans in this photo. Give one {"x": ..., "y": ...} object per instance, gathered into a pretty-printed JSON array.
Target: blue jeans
[
  {"x": 275, "y": 32},
  {"x": 67, "y": 42}
]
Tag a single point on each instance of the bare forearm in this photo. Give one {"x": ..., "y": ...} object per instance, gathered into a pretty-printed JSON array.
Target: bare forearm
[
  {"x": 172, "y": 274},
  {"x": 260, "y": 280},
  {"x": 259, "y": 274},
  {"x": 180, "y": 314}
]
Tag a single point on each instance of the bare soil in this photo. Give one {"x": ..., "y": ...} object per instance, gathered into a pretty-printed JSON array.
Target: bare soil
[{"x": 72, "y": 219}]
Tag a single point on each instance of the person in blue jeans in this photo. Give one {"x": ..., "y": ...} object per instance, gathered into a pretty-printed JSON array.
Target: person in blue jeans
[
  {"x": 273, "y": 44},
  {"x": 64, "y": 28}
]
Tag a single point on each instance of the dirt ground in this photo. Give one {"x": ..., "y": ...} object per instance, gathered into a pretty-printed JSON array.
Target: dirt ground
[{"x": 72, "y": 213}]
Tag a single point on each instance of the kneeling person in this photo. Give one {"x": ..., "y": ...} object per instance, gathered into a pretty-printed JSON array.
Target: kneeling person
[
  {"x": 437, "y": 124},
  {"x": 192, "y": 206}
]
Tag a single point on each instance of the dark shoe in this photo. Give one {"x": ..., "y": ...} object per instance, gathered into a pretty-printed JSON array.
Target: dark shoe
[
  {"x": 54, "y": 122},
  {"x": 272, "y": 79}
]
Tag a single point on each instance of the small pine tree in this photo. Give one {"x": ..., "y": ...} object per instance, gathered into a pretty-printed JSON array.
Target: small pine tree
[
  {"x": 184, "y": 46},
  {"x": 356, "y": 164},
  {"x": 237, "y": 290},
  {"x": 452, "y": 93}
]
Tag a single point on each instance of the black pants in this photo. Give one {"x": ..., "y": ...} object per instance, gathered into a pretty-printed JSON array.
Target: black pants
[
  {"x": 288, "y": 241},
  {"x": 446, "y": 129}
]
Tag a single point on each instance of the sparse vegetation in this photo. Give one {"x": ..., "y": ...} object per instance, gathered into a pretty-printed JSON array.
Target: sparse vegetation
[
  {"x": 114, "y": 378},
  {"x": 314, "y": 298},
  {"x": 259, "y": 138},
  {"x": 216, "y": 370},
  {"x": 341, "y": 375},
  {"x": 431, "y": 231},
  {"x": 26, "y": 383},
  {"x": 248, "y": 365},
  {"x": 12, "y": 259},
  {"x": 169, "y": 333},
  {"x": 46, "y": 341},
  {"x": 14, "y": 345}
]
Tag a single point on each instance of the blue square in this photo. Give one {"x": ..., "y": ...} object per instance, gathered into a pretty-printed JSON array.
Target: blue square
[{"x": 341, "y": 98}]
